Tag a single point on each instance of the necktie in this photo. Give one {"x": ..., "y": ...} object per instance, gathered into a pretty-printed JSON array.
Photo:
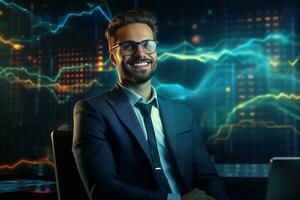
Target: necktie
[{"x": 158, "y": 170}]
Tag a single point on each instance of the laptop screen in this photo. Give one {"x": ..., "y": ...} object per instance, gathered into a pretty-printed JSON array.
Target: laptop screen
[{"x": 284, "y": 179}]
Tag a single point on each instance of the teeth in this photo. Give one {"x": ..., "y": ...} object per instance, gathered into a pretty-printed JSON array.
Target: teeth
[{"x": 141, "y": 64}]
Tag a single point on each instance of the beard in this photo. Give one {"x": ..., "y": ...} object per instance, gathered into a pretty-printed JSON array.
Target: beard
[{"x": 136, "y": 75}]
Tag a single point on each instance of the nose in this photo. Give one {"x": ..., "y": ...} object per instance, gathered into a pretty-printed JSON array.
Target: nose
[{"x": 139, "y": 51}]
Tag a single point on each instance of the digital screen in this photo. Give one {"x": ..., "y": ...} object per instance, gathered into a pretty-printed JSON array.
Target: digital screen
[{"x": 235, "y": 63}]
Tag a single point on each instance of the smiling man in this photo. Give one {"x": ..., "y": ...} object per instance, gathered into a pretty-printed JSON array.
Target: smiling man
[{"x": 132, "y": 144}]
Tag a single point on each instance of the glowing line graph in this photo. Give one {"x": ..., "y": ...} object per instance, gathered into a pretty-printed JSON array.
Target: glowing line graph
[
  {"x": 71, "y": 15},
  {"x": 206, "y": 54},
  {"x": 207, "y": 57},
  {"x": 202, "y": 57},
  {"x": 14, "y": 6},
  {"x": 243, "y": 43},
  {"x": 244, "y": 53},
  {"x": 261, "y": 97},
  {"x": 53, "y": 28},
  {"x": 218, "y": 136},
  {"x": 295, "y": 61},
  {"x": 104, "y": 2},
  {"x": 10, "y": 43},
  {"x": 41, "y": 161},
  {"x": 42, "y": 81},
  {"x": 5, "y": 70},
  {"x": 250, "y": 50},
  {"x": 57, "y": 86},
  {"x": 214, "y": 57},
  {"x": 248, "y": 123}
]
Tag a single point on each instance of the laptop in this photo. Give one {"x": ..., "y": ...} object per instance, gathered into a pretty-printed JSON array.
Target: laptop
[{"x": 284, "y": 179}]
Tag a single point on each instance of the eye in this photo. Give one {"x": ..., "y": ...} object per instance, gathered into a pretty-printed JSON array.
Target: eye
[{"x": 127, "y": 46}]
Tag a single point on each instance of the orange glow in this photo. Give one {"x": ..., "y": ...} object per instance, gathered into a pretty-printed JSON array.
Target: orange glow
[
  {"x": 267, "y": 25},
  {"x": 267, "y": 18},
  {"x": 8, "y": 42},
  {"x": 258, "y": 19},
  {"x": 196, "y": 39},
  {"x": 17, "y": 46},
  {"x": 42, "y": 161},
  {"x": 194, "y": 26},
  {"x": 62, "y": 88},
  {"x": 100, "y": 68}
]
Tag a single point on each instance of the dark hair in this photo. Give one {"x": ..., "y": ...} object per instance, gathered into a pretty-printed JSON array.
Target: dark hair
[{"x": 129, "y": 17}]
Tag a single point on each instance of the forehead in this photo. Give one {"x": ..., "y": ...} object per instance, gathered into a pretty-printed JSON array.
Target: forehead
[{"x": 135, "y": 32}]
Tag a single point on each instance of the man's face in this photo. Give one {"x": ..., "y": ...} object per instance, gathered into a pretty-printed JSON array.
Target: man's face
[{"x": 139, "y": 67}]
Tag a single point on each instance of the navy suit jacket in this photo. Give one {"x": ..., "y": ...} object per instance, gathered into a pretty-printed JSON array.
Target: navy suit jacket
[{"x": 113, "y": 157}]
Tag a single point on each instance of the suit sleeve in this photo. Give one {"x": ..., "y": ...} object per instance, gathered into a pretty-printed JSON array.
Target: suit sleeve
[
  {"x": 95, "y": 160},
  {"x": 205, "y": 175}
]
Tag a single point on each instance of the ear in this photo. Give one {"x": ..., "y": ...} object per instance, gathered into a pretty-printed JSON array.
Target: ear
[{"x": 112, "y": 58}]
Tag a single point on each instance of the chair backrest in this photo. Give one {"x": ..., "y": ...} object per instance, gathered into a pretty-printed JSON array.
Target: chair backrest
[{"x": 69, "y": 184}]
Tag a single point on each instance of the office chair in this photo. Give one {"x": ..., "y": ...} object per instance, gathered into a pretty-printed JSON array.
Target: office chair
[{"x": 69, "y": 184}]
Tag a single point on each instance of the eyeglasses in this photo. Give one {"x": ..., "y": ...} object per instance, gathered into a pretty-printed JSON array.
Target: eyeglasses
[{"x": 129, "y": 48}]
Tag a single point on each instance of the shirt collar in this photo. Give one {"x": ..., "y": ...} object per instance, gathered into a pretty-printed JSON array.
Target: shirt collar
[{"x": 135, "y": 97}]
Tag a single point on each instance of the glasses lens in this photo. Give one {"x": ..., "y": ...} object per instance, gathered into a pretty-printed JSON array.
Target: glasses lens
[
  {"x": 149, "y": 46},
  {"x": 128, "y": 47}
]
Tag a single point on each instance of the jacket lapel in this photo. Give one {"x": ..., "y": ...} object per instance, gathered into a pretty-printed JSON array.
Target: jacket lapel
[
  {"x": 169, "y": 120},
  {"x": 121, "y": 105}
]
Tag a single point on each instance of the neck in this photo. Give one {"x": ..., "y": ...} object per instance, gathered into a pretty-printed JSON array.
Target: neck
[{"x": 143, "y": 89}]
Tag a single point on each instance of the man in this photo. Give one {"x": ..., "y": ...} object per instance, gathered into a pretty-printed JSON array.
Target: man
[{"x": 130, "y": 143}]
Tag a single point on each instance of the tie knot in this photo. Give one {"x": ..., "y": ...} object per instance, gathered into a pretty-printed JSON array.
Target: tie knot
[{"x": 144, "y": 108}]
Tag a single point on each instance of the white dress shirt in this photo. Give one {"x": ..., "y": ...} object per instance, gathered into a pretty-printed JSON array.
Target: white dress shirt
[{"x": 163, "y": 151}]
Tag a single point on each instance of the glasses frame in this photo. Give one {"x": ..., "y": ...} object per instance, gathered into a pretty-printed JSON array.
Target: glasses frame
[{"x": 137, "y": 43}]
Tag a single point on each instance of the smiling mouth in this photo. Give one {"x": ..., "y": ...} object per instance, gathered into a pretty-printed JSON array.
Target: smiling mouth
[{"x": 141, "y": 64}]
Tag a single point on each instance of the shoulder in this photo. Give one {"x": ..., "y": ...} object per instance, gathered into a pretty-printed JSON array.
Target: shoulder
[{"x": 91, "y": 103}]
